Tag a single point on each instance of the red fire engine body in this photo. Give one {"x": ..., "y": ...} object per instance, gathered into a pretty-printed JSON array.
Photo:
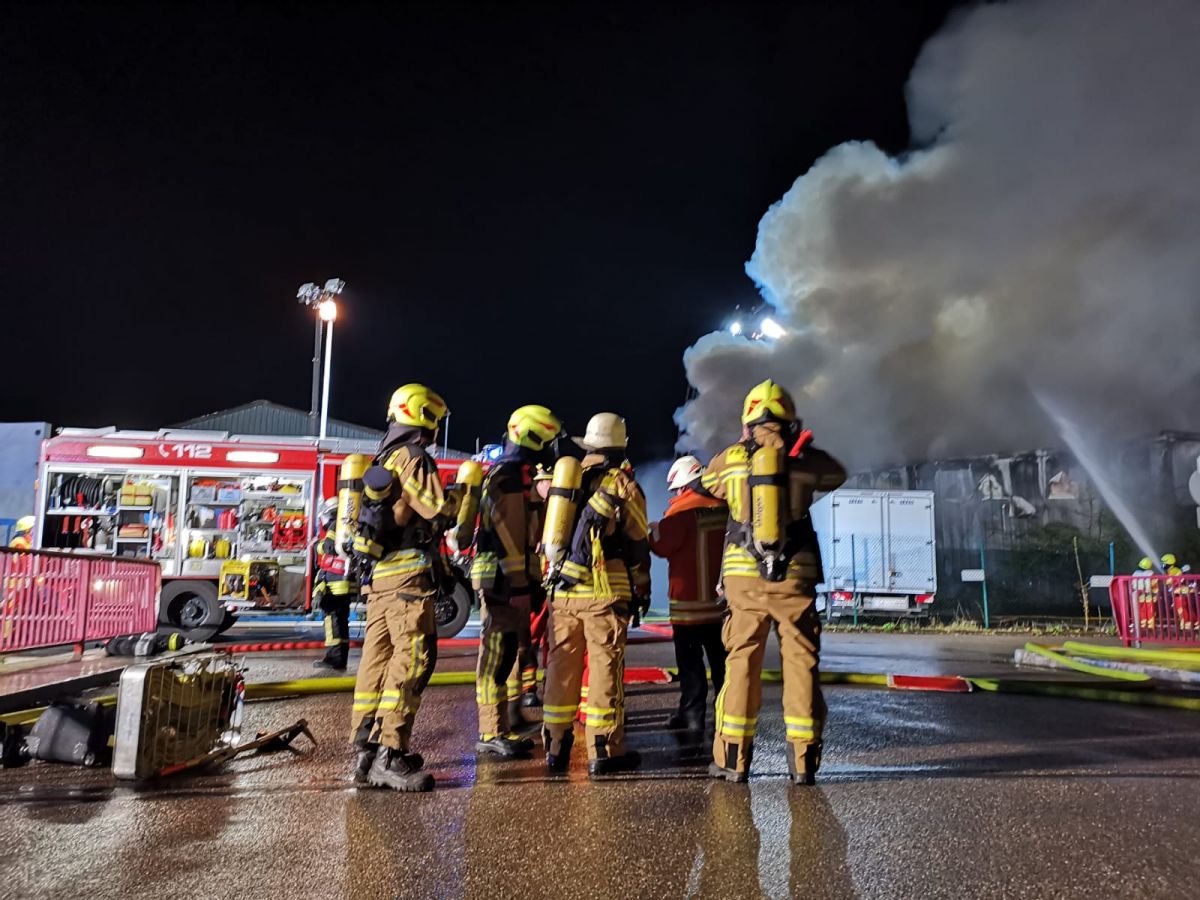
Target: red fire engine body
[{"x": 193, "y": 501}]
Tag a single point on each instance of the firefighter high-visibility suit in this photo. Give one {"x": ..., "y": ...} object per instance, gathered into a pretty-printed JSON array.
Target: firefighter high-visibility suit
[
  {"x": 756, "y": 603},
  {"x": 607, "y": 568},
  {"x": 334, "y": 589},
  {"x": 22, "y": 534},
  {"x": 691, "y": 535},
  {"x": 507, "y": 570},
  {"x": 400, "y": 643}
]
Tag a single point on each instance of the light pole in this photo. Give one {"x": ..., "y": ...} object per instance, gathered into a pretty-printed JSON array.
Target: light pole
[
  {"x": 323, "y": 302},
  {"x": 327, "y": 312}
]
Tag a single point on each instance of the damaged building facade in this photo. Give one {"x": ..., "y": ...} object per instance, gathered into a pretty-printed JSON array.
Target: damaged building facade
[{"x": 1043, "y": 527}]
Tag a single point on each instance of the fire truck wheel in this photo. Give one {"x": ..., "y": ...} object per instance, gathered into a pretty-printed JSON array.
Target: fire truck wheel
[
  {"x": 192, "y": 608},
  {"x": 226, "y": 623},
  {"x": 452, "y": 609}
]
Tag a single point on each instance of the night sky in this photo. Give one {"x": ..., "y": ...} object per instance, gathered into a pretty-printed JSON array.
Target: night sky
[{"x": 530, "y": 203}]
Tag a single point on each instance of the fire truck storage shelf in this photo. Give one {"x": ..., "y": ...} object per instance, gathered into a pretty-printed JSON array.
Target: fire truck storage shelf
[{"x": 192, "y": 501}]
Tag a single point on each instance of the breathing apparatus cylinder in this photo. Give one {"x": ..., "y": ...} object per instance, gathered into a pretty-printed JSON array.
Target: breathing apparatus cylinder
[
  {"x": 350, "y": 491},
  {"x": 561, "y": 504},
  {"x": 768, "y": 510},
  {"x": 470, "y": 480}
]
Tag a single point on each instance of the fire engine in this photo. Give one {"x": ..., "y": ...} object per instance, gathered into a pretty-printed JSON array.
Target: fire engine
[{"x": 199, "y": 502}]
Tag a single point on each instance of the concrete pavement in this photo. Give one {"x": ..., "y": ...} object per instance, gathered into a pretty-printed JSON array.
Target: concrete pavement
[{"x": 922, "y": 795}]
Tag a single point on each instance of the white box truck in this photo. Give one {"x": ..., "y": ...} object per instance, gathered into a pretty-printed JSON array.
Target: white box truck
[{"x": 878, "y": 552}]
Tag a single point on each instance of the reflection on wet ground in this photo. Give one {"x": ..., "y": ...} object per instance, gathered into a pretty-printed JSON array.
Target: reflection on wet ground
[{"x": 922, "y": 795}]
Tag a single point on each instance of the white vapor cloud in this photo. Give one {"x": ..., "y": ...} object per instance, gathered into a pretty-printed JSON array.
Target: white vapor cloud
[{"x": 1042, "y": 233}]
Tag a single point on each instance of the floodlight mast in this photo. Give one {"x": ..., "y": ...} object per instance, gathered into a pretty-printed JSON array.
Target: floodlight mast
[{"x": 321, "y": 301}]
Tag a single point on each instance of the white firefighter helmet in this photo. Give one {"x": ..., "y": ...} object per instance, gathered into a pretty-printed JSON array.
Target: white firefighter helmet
[
  {"x": 604, "y": 431},
  {"x": 683, "y": 472},
  {"x": 329, "y": 513}
]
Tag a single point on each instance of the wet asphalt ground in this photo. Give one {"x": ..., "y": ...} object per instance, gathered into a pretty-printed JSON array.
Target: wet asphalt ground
[{"x": 921, "y": 795}]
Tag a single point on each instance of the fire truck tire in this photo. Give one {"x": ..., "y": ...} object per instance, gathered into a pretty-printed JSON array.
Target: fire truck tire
[
  {"x": 228, "y": 622},
  {"x": 451, "y": 610},
  {"x": 191, "y": 607}
]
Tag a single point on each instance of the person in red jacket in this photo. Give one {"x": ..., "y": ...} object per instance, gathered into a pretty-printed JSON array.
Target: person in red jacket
[{"x": 691, "y": 537}]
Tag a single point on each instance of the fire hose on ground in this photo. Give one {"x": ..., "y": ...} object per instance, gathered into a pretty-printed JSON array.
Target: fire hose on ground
[{"x": 1137, "y": 687}]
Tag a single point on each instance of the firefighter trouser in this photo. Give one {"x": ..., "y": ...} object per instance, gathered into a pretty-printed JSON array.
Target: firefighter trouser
[
  {"x": 523, "y": 677},
  {"x": 692, "y": 644},
  {"x": 597, "y": 626},
  {"x": 753, "y": 605},
  {"x": 335, "y": 603},
  {"x": 398, "y": 656},
  {"x": 501, "y": 623}
]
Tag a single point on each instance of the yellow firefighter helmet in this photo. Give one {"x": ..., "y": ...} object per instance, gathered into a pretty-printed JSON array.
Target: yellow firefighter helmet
[
  {"x": 1168, "y": 560},
  {"x": 768, "y": 401},
  {"x": 24, "y": 525},
  {"x": 533, "y": 427},
  {"x": 415, "y": 404}
]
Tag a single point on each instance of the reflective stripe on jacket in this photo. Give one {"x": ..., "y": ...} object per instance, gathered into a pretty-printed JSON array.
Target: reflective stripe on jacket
[
  {"x": 690, "y": 536},
  {"x": 510, "y": 526},
  {"x": 620, "y": 506},
  {"x": 422, "y": 496},
  {"x": 728, "y": 478}
]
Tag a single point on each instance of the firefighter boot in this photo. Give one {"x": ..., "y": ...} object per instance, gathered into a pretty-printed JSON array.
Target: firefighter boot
[
  {"x": 520, "y": 714},
  {"x": 729, "y": 771},
  {"x": 610, "y": 765},
  {"x": 504, "y": 746},
  {"x": 396, "y": 770},
  {"x": 681, "y": 721},
  {"x": 604, "y": 764},
  {"x": 335, "y": 658},
  {"x": 366, "y": 758},
  {"x": 803, "y": 771},
  {"x": 558, "y": 762}
]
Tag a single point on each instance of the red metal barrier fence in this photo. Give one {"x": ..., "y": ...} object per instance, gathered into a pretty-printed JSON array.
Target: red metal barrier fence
[
  {"x": 1160, "y": 608},
  {"x": 62, "y": 598}
]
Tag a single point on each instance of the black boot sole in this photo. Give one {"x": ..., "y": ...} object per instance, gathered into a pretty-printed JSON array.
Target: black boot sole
[
  {"x": 482, "y": 749},
  {"x": 729, "y": 775},
  {"x": 416, "y": 786}
]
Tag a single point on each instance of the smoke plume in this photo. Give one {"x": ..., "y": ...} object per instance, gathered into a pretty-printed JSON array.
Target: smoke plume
[{"x": 1042, "y": 233}]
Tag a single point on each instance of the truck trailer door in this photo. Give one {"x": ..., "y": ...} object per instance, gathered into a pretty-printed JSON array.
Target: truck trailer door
[{"x": 910, "y": 550}]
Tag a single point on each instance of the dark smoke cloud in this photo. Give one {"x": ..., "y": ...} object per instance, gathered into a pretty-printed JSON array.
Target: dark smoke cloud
[{"x": 1043, "y": 233}]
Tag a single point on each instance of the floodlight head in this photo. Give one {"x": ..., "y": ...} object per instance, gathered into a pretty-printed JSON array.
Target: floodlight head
[
  {"x": 772, "y": 329},
  {"x": 334, "y": 286},
  {"x": 306, "y": 293},
  {"x": 327, "y": 309},
  {"x": 735, "y": 327}
]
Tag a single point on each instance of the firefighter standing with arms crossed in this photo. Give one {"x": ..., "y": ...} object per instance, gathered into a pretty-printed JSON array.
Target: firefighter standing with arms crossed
[
  {"x": 770, "y": 570},
  {"x": 603, "y": 580},
  {"x": 506, "y": 572},
  {"x": 404, "y": 509},
  {"x": 691, "y": 535}
]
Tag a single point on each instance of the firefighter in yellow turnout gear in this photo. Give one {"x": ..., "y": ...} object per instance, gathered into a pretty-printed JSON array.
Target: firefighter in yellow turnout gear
[
  {"x": 770, "y": 568},
  {"x": 602, "y": 582},
  {"x": 404, "y": 510},
  {"x": 506, "y": 572},
  {"x": 22, "y": 534},
  {"x": 334, "y": 590}
]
